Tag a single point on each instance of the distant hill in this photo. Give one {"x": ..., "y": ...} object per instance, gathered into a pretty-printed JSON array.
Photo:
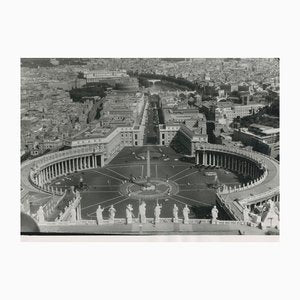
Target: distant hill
[
  {"x": 173, "y": 59},
  {"x": 46, "y": 62}
]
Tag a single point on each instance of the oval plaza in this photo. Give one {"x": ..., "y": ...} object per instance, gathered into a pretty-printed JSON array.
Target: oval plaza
[{"x": 260, "y": 189}]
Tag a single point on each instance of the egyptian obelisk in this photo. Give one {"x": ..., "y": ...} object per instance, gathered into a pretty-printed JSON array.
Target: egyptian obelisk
[{"x": 148, "y": 167}]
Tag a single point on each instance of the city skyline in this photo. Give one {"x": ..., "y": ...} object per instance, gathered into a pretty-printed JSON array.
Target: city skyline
[{"x": 87, "y": 126}]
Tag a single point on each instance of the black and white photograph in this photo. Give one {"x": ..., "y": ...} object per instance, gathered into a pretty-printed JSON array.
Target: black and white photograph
[
  {"x": 148, "y": 146},
  {"x": 149, "y": 149}
]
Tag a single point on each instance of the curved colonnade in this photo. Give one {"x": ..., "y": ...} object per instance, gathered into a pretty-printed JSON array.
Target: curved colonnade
[
  {"x": 41, "y": 171},
  {"x": 261, "y": 171},
  {"x": 37, "y": 174}
]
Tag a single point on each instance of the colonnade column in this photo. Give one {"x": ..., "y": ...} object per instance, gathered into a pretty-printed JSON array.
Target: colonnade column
[
  {"x": 51, "y": 172},
  {"x": 42, "y": 177},
  {"x": 95, "y": 161},
  {"x": 204, "y": 158},
  {"x": 39, "y": 183},
  {"x": 55, "y": 170},
  {"x": 46, "y": 175}
]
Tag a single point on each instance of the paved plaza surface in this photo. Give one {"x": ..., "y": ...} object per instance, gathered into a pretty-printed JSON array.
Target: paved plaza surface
[{"x": 104, "y": 185}]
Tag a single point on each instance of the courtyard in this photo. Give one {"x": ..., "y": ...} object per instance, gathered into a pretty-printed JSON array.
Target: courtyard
[{"x": 188, "y": 184}]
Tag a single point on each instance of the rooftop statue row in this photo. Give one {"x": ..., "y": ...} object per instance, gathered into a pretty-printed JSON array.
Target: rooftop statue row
[{"x": 142, "y": 214}]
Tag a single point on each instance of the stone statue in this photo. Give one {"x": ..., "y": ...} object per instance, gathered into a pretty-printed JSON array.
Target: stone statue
[
  {"x": 40, "y": 215},
  {"x": 77, "y": 194},
  {"x": 112, "y": 212},
  {"x": 99, "y": 212},
  {"x": 73, "y": 214},
  {"x": 271, "y": 205},
  {"x": 214, "y": 214},
  {"x": 175, "y": 213},
  {"x": 246, "y": 215},
  {"x": 129, "y": 214},
  {"x": 157, "y": 211},
  {"x": 186, "y": 212},
  {"x": 142, "y": 212}
]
